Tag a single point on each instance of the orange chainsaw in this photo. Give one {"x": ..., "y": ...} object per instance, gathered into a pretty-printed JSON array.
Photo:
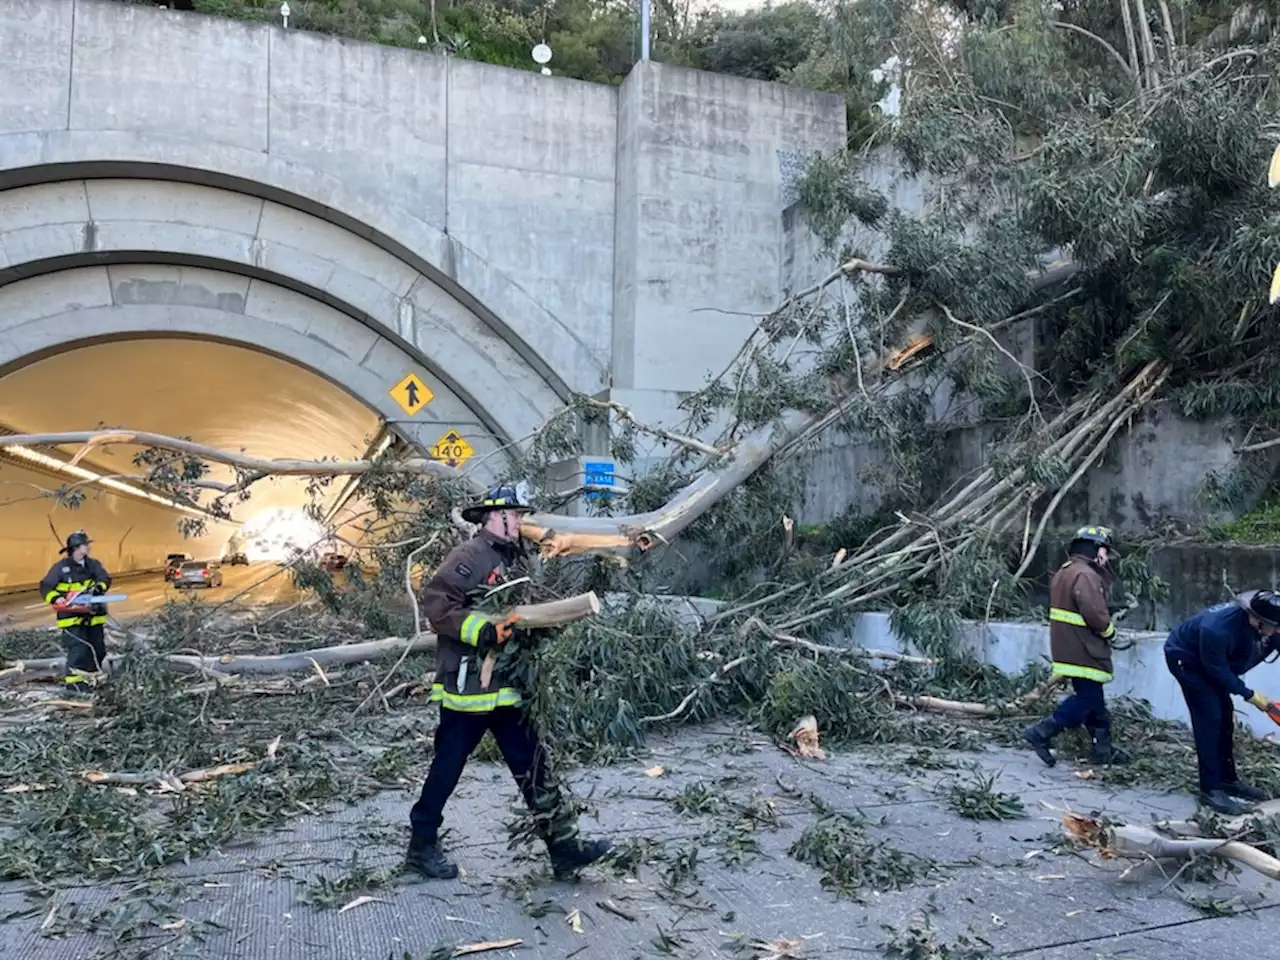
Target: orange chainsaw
[{"x": 1273, "y": 711}]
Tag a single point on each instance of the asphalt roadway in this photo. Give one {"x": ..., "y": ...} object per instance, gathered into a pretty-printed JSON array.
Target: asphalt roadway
[
  {"x": 1007, "y": 883},
  {"x": 147, "y": 592}
]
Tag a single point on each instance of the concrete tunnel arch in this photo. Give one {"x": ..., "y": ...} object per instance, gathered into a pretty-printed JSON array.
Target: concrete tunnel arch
[{"x": 278, "y": 278}]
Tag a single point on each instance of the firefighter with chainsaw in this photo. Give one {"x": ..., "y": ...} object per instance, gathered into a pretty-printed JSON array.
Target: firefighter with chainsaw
[
  {"x": 1208, "y": 655},
  {"x": 476, "y": 697},
  {"x": 69, "y": 587},
  {"x": 1080, "y": 634}
]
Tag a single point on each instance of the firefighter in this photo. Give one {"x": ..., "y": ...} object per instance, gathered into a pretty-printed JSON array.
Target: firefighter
[
  {"x": 467, "y": 709},
  {"x": 1207, "y": 655},
  {"x": 83, "y": 625},
  {"x": 1080, "y": 632}
]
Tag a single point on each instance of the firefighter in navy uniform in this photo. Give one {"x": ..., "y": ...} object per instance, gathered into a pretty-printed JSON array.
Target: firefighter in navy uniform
[
  {"x": 65, "y": 587},
  {"x": 1208, "y": 655},
  {"x": 468, "y": 708},
  {"x": 1080, "y": 633}
]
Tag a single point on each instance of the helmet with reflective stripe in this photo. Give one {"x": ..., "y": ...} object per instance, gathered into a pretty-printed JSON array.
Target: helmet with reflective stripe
[
  {"x": 77, "y": 539},
  {"x": 495, "y": 498},
  {"x": 1099, "y": 535},
  {"x": 1263, "y": 604}
]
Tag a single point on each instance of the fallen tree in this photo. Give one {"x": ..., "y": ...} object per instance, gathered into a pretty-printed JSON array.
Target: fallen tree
[{"x": 554, "y": 613}]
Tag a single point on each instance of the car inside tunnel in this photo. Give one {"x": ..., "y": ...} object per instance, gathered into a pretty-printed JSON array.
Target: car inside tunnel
[{"x": 222, "y": 395}]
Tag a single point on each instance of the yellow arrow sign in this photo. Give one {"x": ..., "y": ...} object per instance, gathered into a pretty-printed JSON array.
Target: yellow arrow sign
[
  {"x": 411, "y": 393},
  {"x": 452, "y": 449}
]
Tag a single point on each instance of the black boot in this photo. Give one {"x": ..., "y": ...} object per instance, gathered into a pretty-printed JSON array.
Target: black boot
[
  {"x": 1040, "y": 736},
  {"x": 429, "y": 860},
  {"x": 569, "y": 857},
  {"x": 1245, "y": 791},
  {"x": 1219, "y": 800},
  {"x": 1104, "y": 751}
]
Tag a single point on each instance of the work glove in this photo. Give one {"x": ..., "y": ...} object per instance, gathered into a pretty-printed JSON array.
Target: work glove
[
  {"x": 1259, "y": 701},
  {"x": 495, "y": 634}
]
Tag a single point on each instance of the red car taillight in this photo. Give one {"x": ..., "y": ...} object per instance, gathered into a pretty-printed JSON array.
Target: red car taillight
[{"x": 204, "y": 573}]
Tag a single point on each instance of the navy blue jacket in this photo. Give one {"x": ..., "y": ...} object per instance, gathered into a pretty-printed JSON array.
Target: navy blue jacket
[{"x": 1220, "y": 644}]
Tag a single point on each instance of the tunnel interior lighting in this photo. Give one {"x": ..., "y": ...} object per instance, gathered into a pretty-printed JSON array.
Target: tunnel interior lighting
[
  {"x": 279, "y": 534},
  {"x": 80, "y": 473}
]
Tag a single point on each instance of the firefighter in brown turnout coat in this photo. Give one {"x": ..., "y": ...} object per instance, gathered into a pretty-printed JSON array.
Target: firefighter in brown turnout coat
[
  {"x": 1080, "y": 632},
  {"x": 469, "y": 706}
]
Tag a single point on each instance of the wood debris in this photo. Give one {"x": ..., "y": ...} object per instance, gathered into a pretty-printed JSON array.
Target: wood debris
[{"x": 805, "y": 734}]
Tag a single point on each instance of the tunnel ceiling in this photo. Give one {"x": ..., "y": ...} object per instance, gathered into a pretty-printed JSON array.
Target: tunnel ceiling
[{"x": 222, "y": 395}]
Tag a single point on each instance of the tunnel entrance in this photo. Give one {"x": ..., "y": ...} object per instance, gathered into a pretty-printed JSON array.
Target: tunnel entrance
[{"x": 214, "y": 393}]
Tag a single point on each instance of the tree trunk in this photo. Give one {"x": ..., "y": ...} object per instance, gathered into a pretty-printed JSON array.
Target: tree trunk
[
  {"x": 1134, "y": 62},
  {"x": 1148, "y": 45},
  {"x": 536, "y": 615}
]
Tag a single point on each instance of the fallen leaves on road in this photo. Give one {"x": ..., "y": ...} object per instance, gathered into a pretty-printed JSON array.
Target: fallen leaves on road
[{"x": 655, "y": 771}]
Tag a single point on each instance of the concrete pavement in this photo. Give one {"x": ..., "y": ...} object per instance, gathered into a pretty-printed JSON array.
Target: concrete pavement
[{"x": 261, "y": 583}]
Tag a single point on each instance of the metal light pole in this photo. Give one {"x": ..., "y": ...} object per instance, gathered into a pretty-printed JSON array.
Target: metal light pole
[{"x": 644, "y": 29}]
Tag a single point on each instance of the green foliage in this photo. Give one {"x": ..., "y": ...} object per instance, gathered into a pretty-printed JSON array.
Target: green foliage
[
  {"x": 976, "y": 798},
  {"x": 763, "y": 44},
  {"x": 1260, "y": 525},
  {"x": 919, "y": 942},
  {"x": 852, "y": 864}
]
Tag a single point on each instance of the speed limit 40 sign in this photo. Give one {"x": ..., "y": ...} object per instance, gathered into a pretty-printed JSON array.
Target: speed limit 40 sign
[{"x": 452, "y": 449}]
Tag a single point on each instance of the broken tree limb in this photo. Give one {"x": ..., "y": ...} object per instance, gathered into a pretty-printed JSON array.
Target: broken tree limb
[
  {"x": 939, "y": 705},
  {"x": 1144, "y": 843},
  {"x": 554, "y": 613},
  {"x": 166, "y": 778},
  {"x": 1232, "y": 825},
  {"x": 535, "y": 615}
]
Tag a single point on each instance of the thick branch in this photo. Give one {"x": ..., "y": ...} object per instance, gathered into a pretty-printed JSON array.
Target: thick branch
[
  {"x": 255, "y": 467},
  {"x": 535, "y": 615},
  {"x": 1124, "y": 64}
]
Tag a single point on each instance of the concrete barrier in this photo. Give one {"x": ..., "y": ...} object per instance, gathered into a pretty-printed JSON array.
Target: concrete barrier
[{"x": 1140, "y": 670}]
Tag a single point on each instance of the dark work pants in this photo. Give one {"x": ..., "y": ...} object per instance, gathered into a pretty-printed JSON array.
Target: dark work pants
[
  {"x": 457, "y": 736},
  {"x": 1212, "y": 719},
  {"x": 85, "y": 647},
  {"x": 1086, "y": 707}
]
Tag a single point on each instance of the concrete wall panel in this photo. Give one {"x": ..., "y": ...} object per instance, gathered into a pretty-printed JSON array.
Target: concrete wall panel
[
  {"x": 201, "y": 78},
  {"x": 531, "y": 187},
  {"x": 700, "y": 196},
  {"x": 47, "y": 296},
  {"x": 36, "y": 62},
  {"x": 365, "y": 113}
]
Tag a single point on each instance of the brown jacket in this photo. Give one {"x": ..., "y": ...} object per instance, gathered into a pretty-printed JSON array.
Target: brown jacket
[
  {"x": 1080, "y": 628},
  {"x": 468, "y": 572}
]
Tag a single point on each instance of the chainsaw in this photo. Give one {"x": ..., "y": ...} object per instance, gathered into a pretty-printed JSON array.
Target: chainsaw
[
  {"x": 68, "y": 604},
  {"x": 1273, "y": 711}
]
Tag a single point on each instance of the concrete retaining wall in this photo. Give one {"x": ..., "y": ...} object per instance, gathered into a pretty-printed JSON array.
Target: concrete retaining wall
[{"x": 1140, "y": 671}]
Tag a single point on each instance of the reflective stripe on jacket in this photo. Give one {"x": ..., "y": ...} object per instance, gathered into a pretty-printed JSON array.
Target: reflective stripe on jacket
[
  {"x": 446, "y": 601},
  {"x": 1080, "y": 628},
  {"x": 67, "y": 577}
]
